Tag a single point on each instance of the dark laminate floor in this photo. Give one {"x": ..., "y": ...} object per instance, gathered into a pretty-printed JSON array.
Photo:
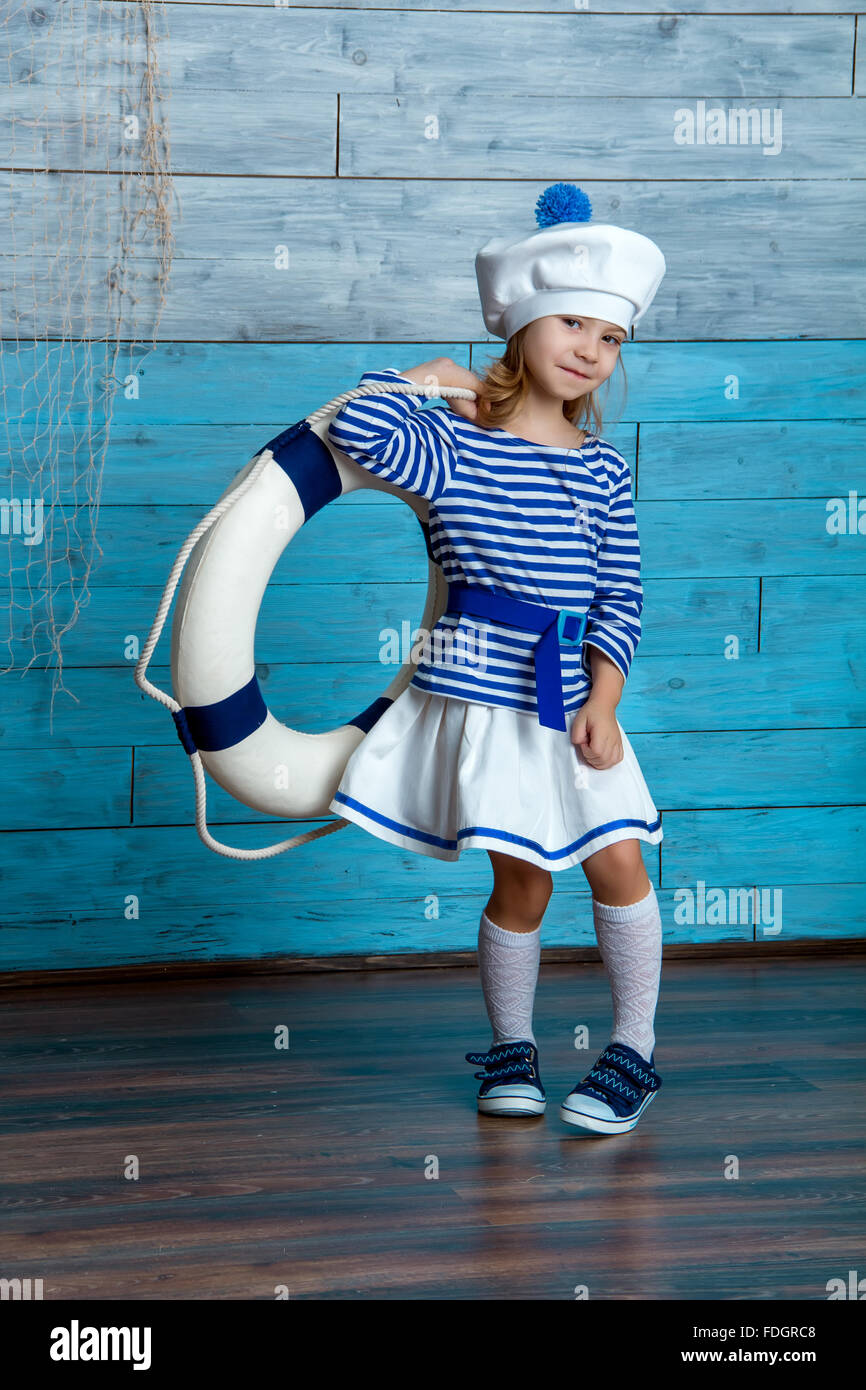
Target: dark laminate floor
[{"x": 310, "y": 1167}]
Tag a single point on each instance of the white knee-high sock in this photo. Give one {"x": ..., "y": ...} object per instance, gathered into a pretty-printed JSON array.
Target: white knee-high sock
[
  {"x": 508, "y": 961},
  {"x": 630, "y": 941}
]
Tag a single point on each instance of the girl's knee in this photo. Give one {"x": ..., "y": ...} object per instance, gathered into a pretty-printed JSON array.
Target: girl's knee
[
  {"x": 616, "y": 866},
  {"x": 534, "y": 894},
  {"x": 622, "y": 857},
  {"x": 525, "y": 884}
]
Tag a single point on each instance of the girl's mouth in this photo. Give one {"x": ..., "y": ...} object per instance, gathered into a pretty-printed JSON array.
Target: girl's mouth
[{"x": 582, "y": 376}]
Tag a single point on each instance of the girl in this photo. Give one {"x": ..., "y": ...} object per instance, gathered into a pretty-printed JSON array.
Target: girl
[{"x": 507, "y": 737}]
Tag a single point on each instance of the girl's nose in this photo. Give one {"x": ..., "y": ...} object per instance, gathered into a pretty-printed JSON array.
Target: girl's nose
[{"x": 587, "y": 353}]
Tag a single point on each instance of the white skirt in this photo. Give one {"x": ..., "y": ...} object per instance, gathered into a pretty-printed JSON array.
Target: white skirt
[{"x": 437, "y": 774}]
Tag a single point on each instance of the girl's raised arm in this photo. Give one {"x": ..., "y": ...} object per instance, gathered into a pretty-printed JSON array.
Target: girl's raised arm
[{"x": 395, "y": 438}]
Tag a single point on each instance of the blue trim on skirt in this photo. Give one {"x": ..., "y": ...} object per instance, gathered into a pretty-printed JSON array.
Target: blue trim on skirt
[{"x": 411, "y": 832}]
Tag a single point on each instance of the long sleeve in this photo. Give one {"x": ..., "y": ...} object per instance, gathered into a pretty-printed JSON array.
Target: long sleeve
[
  {"x": 614, "y": 616},
  {"x": 393, "y": 437}
]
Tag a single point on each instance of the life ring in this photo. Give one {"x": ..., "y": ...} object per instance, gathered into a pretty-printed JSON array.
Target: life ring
[{"x": 220, "y": 713}]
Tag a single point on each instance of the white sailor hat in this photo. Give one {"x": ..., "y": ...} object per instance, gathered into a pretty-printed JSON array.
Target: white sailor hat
[{"x": 571, "y": 266}]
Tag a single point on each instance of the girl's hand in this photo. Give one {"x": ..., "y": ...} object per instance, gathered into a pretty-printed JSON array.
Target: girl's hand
[
  {"x": 442, "y": 371},
  {"x": 595, "y": 731}
]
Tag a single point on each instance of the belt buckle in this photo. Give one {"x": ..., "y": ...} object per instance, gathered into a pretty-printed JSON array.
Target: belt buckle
[{"x": 562, "y": 616}]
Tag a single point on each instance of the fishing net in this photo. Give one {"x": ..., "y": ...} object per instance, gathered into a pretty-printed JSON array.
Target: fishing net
[{"x": 85, "y": 253}]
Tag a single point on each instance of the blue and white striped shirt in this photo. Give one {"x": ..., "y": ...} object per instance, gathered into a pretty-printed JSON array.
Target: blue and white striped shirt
[{"x": 545, "y": 523}]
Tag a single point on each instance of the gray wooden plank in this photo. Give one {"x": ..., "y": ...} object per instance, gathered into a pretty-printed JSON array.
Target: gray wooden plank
[
  {"x": 219, "y": 131},
  {"x": 391, "y": 239},
  {"x": 523, "y": 135},
  {"x": 530, "y": 136},
  {"x": 401, "y": 50},
  {"x": 667, "y": 12}
]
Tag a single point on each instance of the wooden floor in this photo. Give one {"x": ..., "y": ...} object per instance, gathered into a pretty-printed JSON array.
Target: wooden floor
[{"x": 310, "y": 1168}]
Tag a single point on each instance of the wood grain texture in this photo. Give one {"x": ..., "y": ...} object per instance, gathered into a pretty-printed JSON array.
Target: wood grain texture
[
  {"x": 261, "y": 1169},
  {"x": 357, "y": 624},
  {"x": 387, "y": 261},
  {"x": 667, "y": 16},
  {"x": 523, "y": 135},
  {"x": 663, "y": 694},
  {"x": 71, "y": 127},
  {"x": 381, "y": 144},
  {"x": 686, "y": 770},
  {"x": 713, "y": 460},
  {"x": 529, "y": 136},
  {"x": 678, "y": 540},
  {"x": 263, "y": 387},
  {"x": 272, "y": 930},
  {"x": 280, "y": 53}
]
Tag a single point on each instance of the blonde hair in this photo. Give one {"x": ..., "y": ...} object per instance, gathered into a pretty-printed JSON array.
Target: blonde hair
[{"x": 506, "y": 386}]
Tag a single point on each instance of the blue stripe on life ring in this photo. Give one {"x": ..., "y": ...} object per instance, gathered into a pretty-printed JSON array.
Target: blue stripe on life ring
[
  {"x": 308, "y": 461},
  {"x": 225, "y": 722},
  {"x": 368, "y": 717}
]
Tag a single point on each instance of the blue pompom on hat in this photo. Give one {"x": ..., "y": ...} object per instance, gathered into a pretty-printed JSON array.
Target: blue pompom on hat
[
  {"x": 571, "y": 265},
  {"x": 562, "y": 202}
]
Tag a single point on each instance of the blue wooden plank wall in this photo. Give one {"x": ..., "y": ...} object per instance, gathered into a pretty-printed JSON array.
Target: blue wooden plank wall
[{"x": 382, "y": 144}]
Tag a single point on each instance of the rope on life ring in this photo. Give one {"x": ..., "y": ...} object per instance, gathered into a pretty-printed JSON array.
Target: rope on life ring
[{"x": 221, "y": 507}]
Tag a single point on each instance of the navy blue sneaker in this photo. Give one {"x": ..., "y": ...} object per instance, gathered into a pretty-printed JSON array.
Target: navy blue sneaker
[
  {"x": 614, "y": 1094},
  {"x": 510, "y": 1083}
]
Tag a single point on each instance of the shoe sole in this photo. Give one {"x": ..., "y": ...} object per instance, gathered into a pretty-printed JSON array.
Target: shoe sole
[
  {"x": 519, "y": 1100},
  {"x": 596, "y": 1124},
  {"x": 511, "y": 1105}
]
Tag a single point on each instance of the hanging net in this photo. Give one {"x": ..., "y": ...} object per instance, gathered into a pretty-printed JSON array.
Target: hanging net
[{"x": 86, "y": 253}]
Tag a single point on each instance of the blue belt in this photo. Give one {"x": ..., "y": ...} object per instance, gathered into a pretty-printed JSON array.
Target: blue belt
[{"x": 553, "y": 625}]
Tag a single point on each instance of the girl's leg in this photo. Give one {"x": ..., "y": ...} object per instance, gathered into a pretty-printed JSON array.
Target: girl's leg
[
  {"x": 628, "y": 929},
  {"x": 509, "y": 944}
]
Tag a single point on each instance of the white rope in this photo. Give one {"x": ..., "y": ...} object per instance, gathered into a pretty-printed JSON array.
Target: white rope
[{"x": 376, "y": 388}]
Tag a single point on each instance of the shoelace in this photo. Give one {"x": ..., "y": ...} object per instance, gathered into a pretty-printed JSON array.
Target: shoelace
[
  {"x": 505, "y": 1063},
  {"x": 609, "y": 1080}
]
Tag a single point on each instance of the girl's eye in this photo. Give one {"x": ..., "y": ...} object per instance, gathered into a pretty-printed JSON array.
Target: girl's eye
[{"x": 611, "y": 337}]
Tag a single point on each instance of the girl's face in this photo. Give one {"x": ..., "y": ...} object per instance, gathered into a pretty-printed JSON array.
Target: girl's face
[{"x": 571, "y": 355}]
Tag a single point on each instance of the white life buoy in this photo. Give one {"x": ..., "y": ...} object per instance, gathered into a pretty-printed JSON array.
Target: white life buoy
[{"x": 222, "y": 719}]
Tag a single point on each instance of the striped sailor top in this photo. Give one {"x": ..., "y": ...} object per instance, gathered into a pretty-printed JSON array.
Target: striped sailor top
[{"x": 544, "y": 523}]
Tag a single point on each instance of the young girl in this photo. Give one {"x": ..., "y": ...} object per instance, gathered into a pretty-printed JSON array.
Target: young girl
[{"x": 507, "y": 738}]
